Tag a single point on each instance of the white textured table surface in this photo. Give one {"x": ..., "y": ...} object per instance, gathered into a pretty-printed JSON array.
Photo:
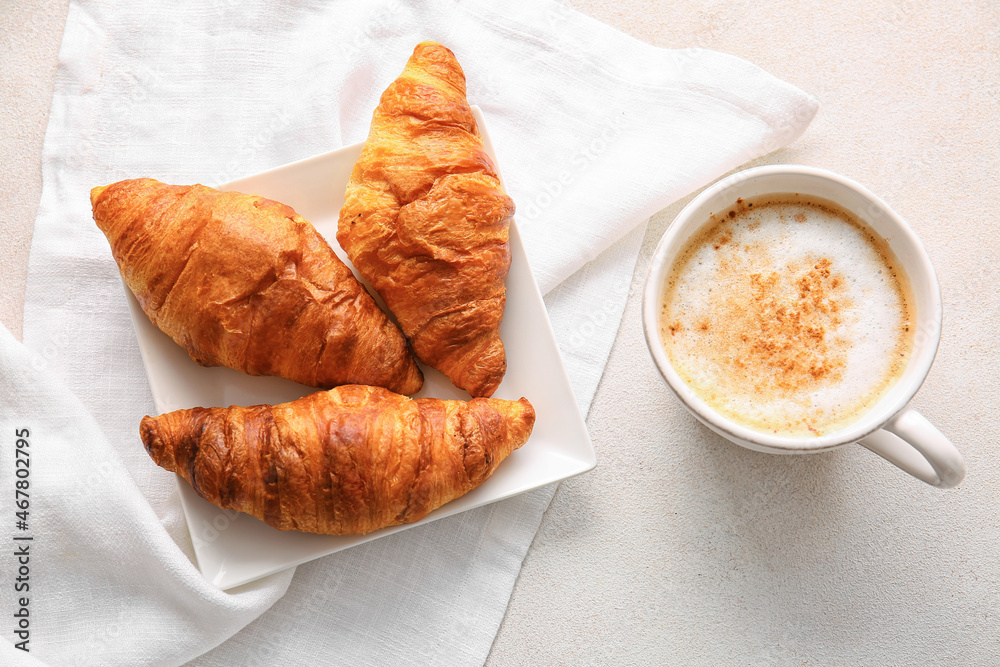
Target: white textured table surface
[{"x": 681, "y": 548}]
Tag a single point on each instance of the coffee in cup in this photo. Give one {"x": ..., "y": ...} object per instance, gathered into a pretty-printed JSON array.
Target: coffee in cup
[
  {"x": 787, "y": 314},
  {"x": 805, "y": 326}
]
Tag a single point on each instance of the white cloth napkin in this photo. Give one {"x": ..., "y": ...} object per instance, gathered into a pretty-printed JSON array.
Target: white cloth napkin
[{"x": 594, "y": 131}]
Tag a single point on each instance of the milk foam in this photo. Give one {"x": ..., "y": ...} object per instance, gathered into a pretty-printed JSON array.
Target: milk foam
[{"x": 788, "y": 316}]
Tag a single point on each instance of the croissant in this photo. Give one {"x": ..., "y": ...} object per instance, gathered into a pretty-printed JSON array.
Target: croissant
[
  {"x": 244, "y": 282},
  {"x": 426, "y": 221},
  {"x": 346, "y": 461}
]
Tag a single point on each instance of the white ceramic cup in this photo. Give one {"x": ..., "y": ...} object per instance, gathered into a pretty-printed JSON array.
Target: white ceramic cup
[{"x": 891, "y": 428}]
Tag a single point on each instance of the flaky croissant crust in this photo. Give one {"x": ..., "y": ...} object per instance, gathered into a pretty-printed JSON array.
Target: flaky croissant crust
[
  {"x": 245, "y": 282},
  {"x": 346, "y": 461},
  {"x": 426, "y": 221}
]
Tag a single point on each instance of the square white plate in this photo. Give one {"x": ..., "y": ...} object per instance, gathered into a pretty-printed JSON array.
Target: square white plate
[{"x": 234, "y": 548}]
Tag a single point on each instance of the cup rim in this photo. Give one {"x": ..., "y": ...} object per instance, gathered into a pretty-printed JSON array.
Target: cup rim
[{"x": 919, "y": 267}]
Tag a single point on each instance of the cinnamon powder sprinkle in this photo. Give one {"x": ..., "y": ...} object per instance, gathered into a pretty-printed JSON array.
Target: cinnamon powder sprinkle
[
  {"x": 787, "y": 328},
  {"x": 724, "y": 237},
  {"x": 765, "y": 327}
]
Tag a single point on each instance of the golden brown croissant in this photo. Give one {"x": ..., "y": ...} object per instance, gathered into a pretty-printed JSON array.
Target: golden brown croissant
[
  {"x": 426, "y": 222},
  {"x": 245, "y": 282},
  {"x": 346, "y": 461}
]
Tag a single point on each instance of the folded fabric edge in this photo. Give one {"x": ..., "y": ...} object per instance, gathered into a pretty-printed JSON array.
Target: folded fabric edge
[
  {"x": 586, "y": 311},
  {"x": 608, "y": 50}
]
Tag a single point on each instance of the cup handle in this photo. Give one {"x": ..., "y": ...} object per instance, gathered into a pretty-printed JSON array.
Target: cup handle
[{"x": 916, "y": 446}]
